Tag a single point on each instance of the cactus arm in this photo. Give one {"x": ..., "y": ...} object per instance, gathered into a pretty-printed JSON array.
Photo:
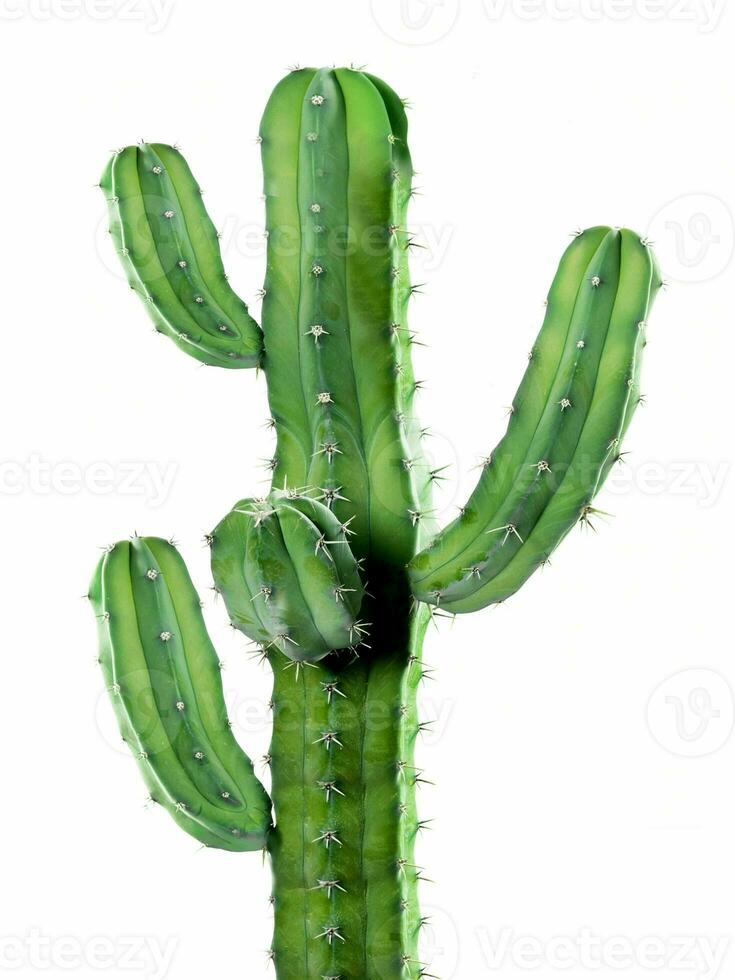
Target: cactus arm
[
  {"x": 529, "y": 403},
  {"x": 288, "y": 577},
  {"x": 560, "y": 442},
  {"x": 336, "y": 334},
  {"x": 170, "y": 251},
  {"x": 163, "y": 677}
]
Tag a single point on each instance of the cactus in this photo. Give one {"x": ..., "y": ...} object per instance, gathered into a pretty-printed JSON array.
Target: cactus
[{"x": 336, "y": 573}]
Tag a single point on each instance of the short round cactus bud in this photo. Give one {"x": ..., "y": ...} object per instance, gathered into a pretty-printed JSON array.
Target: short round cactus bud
[{"x": 288, "y": 576}]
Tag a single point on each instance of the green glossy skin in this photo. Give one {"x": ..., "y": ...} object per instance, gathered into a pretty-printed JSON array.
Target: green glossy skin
[
  {"x": 170, "y": 252},
  {"x": 288, "y": 577},
  {"x": 337, "y": 185},
  {"x": 337, "y": 181},
  {"x": 343, "y": 782},
  {"x": 325, "y": 573},
  {"x": 163, "y": 676},
  {"x": 333, "y": 141},
  {"x": 566, "y": 426}
]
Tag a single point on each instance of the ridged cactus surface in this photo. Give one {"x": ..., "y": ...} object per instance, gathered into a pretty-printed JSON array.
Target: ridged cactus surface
[
  {"x": 338, "y": 357},
  {"x": 566, "y": 427},
  {"x": 288, "y": 576},
  {"x": 163, "y": 676},
  {"x": 170, "y": 251},
  {"x": 335, "y": 574}
]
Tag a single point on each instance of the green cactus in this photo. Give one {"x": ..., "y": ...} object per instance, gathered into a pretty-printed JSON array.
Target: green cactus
[{"x": 335, "y": 575}]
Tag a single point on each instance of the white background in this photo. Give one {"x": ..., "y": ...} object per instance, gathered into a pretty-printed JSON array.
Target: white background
[{"x": 583, "y": 782}]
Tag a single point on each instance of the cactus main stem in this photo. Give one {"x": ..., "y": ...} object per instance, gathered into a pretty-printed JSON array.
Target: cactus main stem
[{"x": 342, "y": 761}]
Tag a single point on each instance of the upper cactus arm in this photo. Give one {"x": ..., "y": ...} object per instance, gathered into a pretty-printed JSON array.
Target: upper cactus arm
[
  {"x": 320, "y": 573},
  {"x": 163, "y": 676},
  {"x": 170, "y": 251},
  {"x": 566, "y": 424}
]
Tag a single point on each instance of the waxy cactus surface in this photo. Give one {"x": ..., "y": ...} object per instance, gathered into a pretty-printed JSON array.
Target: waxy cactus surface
[
  {"x": 288, "y": 576},
  {"x": 164, "y": 677},
  {"x": 335, "y": 574}
]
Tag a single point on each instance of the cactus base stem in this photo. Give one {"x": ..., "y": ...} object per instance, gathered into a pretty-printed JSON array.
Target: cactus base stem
[{"x": 342, "y": 760}]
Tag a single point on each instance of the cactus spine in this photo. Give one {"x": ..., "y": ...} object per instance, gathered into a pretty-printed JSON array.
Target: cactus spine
[{"x": 335, "y": 574}]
